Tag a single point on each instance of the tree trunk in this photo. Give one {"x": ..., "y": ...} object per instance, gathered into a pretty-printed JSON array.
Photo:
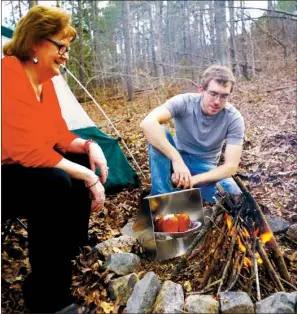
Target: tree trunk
[
  {"x": 20, "y": 9},
  {"x": 96, "y": 43},
  {"x": 32, "y": 3},
  {"x": 243, "y": 43},
  {"x": 212, "y": 28},
  {"x": 13, "y": 16},
  {"x": 159, "y": 65},
  {"x": 221, "y": 34},
  {"x": 126, "y": 18},
  {"x": 152, "y": 39},
  {"x": 183, "y": 23},
  {"x": 235, "y": 65},
  {"x": 81, "y": 40}
]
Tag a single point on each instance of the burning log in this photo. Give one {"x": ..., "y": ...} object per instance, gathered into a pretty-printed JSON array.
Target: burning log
[
  {"x": 277, "y": 254},
  {"x": 235, "y": 249}
]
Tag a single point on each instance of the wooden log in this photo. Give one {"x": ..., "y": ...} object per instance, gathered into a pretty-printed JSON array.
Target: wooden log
[{"x": 277, "y": 254}]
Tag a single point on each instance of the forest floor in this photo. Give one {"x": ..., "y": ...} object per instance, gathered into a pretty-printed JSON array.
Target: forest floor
[{"x": 268, "y": 166}]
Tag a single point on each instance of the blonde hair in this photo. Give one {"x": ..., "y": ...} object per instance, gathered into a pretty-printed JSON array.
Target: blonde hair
[
  {"x": 220, "y": 73},
  {"x": 38, "y": 24}
]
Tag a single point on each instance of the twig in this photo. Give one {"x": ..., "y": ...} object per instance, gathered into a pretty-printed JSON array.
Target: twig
[
  {"x": 288, "y": 283},
  {"x": 195, "y": 243},
  {"x": 269, "y": 266},
  {"x": 257, "y": 279},
  {"x": 229, "y": 256},
  {"x": 235, "y": 272}
]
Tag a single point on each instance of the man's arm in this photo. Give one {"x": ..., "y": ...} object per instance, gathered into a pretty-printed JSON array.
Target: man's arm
[
  {"x": 232, "y": 159},
  {"x": 151, "y": 126}
]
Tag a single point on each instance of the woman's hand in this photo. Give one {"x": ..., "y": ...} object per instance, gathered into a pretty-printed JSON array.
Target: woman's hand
[
  {"x": 97, "y": 158},
  {"x": 97, "y": 194}
]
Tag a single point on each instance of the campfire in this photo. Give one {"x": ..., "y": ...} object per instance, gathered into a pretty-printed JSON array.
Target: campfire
[{"x": 236, "y": 250}]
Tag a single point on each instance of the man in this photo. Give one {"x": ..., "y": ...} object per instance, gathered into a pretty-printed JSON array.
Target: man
[{"x": 202, "y": 123}]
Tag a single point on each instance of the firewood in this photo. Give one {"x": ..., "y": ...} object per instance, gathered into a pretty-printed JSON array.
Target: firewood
[
  {"x": 277, "y": 253},
  {"x": 269, "y": 267},
  {"x": 229, "y": 256},
  {"x": 215, "y": 258},
  {"x": 196, "y": 242},
  {"x": 235, "y": 272}
]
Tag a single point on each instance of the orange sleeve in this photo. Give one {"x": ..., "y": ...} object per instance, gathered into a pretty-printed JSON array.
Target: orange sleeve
[{"x": 22, "y": 139}]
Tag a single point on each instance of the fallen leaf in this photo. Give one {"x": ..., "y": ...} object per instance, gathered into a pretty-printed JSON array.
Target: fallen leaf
[{"x": 107, "y": 307}]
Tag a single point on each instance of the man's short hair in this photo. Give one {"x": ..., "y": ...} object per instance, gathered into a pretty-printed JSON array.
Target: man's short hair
[{"x": 220, "y": 73}]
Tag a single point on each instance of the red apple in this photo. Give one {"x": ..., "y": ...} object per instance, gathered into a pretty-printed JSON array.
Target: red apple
[
  {"x": 158, "y": 223},
  {"x": 183, "y": 222},
  {"x": 170, "y": 223}
]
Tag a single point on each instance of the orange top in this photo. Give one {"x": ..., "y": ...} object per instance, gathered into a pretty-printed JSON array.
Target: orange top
[{"x": 32, "y": 131}]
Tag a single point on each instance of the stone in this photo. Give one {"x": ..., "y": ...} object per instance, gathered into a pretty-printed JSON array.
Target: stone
[
  {"x": 277, "y": 224},
  {"x": 120, "y": 289},
  {"x": 170, "y": 298},
  {"x": 144, "y": 294},
  {"x": 292, "y": 232},
  {"x": 128, "y": 230},
  {"x": 123, "y": 243},
  {"x": 122, "y": 263},
  {"x": 280, "y": 302},
  {"x": 236, "y": 302},
  {"x": 201, "y": 304}
]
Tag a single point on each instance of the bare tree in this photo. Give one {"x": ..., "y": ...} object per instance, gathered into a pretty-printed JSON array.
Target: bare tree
[
  {"x": 235, "y": 65},
  {"x": 243, "y": 42},
  {"x": 152, "y": 38},
  {"x": 32, "y": 3},
  {"x": 221, "y": 33},
  {"x": 159, "y": 65},
  {"x": 81, "y": 40},
  {"x": 125, "y": 14}
]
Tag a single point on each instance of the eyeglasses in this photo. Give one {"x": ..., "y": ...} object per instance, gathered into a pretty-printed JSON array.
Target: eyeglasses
[
  {"x": 217, "y": 95},
  {"x": 62, "y": 48}
]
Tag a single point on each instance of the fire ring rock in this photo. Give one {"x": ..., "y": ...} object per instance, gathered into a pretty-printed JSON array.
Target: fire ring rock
[
  {"x": 292, "y": 232},
  {"x": 122, "y": 263},
  {"x": 170, "y": 298},
  {"x": 124, "y": 243},
  {"x": 236, "y": 302},
  {"x": 144, "y": 294},
  {"x": 201, "y": 304},
  {"x": 280, "y": 302}
]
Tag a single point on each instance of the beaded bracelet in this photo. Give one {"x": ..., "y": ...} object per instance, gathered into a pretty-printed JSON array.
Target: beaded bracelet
[{"x": 89, "y": 186}]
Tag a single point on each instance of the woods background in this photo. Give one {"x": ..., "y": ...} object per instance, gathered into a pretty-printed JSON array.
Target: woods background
[{"x": 141, "y": 45}]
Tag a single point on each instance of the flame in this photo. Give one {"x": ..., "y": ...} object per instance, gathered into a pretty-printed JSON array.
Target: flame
[
  {"x": 240, "y": 245},
  {"x": 247, "y": 262},
  {"x": 266, "y": 237},
  {"x": 245, "y": 232},
  {"x": 259, "y": 259},
  {"x": 229, "y": 221}
]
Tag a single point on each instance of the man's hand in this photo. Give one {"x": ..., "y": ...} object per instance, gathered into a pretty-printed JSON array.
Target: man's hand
[{"x": 181, "y": 176}]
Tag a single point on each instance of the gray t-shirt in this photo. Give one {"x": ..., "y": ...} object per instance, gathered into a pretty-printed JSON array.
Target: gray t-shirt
[{"x": 203, "y": 135}]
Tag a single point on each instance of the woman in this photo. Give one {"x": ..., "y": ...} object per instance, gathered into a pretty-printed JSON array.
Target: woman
[{"x": 48, "y": 173}]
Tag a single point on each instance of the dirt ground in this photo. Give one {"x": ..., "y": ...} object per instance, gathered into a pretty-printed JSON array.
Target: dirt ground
[{"x": 268, "y": 166}]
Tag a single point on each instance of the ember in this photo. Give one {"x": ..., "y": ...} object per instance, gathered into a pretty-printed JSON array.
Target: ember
[{"x": 236, "y": 248}]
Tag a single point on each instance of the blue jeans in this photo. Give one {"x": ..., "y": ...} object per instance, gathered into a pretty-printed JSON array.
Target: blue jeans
[{"x": 161, "y": 170}]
